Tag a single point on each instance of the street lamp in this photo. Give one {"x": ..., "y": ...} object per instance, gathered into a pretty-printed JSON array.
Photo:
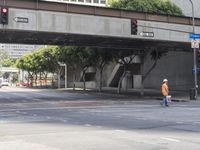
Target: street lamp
[{"x": 194, "y": 50}]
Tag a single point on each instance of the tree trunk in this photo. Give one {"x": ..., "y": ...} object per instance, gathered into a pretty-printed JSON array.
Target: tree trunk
[
  {"x": 46, "y": 79},
  {"x": 120, "y": 82},
  {"x": 74, "y": 76},
  {"x": 84, "y": 87},
  {"x": 100, "y": 79},
  {"x": 36, "y": 79},
  {"x": 40, "y": 79},
  {"x": 146, "y": 74},
  {"x": 52, "y": 81}
]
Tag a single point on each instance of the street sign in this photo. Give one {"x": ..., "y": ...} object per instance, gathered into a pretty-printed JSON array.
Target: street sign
[
  {"x": 195, "y": 43},
  {"x": 147, "y": 34},
  {"x": 194, "y": 36},
  {"x": 21, "y": 19},
  {"x": 197, "y": 70}
]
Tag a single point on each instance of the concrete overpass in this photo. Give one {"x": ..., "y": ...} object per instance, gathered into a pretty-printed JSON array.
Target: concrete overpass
[{"x": 40, "y": 22}]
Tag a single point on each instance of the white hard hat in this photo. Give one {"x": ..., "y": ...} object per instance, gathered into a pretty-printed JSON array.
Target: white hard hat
[{"x": 165, "y": 80}]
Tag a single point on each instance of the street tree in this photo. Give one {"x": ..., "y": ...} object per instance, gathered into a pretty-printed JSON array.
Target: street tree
[
  {"x": 8, "y": 62},
  {"x": 124, "y": 58},
  {"x": 85, "y": 60},
  {"x": 100, "y": 58},
  {"x": 48, "y": 62},
  {"x": 67, "y": 55},
  {"x": 42, "y": 62},
  {"x": 25, "y": 63}
]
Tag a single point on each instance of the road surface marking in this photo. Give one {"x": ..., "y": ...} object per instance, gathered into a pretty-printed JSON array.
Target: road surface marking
[
  {"x": 88, "y": 125},
  {"x": 170, "y": 139},
  {"x": 120, "y": 131}
]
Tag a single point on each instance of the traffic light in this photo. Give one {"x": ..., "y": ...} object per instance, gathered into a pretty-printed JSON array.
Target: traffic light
[
  {"x": 134, "y": 26},
  {"x": 4, "y": 15}
]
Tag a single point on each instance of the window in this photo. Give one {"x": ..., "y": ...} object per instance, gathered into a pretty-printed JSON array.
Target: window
[
  {"x": 103, "y": 1},
  {"x": 88, "y": 1},
  {"x": 96, "y": 1}
]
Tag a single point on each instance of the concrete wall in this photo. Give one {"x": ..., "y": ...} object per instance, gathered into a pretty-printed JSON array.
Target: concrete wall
[
  {"x": 58, "y": 22},
  {"x": 176, "y": 67}
]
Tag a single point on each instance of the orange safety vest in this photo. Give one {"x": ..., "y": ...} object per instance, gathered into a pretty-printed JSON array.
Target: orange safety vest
[{"x": 165, "y": 89}]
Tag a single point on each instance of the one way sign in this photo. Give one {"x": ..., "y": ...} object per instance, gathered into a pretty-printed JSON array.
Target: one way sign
[{"x": 195, "y": 43}]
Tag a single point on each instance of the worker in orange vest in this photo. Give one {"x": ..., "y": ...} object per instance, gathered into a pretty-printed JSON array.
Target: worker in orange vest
[{"x": 165, "y": 92}]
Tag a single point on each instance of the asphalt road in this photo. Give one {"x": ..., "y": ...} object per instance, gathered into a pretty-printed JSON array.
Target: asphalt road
[{"x": 33, "y": 119}]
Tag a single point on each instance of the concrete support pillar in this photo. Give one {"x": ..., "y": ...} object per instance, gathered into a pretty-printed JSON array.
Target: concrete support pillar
[
  {"x": 127, "y": 81},
  {"x": 137, "y": 81}
]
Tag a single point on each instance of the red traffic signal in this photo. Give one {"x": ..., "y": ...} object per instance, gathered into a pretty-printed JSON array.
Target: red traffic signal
[
  {"x": 4, "y": 15},
  {"x": 134, "y": 26},
  {"x": 4, "y": 10}
]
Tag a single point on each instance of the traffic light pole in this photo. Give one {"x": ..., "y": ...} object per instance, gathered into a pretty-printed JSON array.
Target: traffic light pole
[{"x": 194, "y": 50}]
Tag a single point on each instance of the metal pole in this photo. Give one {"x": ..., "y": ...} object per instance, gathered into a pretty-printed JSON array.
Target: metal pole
[
  {"x": 65, "y": 75},
  {"x": 195, "y": 63}
]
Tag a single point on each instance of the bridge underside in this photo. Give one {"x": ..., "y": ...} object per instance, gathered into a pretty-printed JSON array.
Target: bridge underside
[{"x": 27, "y": 37}]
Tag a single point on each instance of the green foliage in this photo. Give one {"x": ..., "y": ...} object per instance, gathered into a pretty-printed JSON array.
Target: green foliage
[
  {"x": 41, "y": 60},
  {"x": 157, "y": 54},
  {"x": 8, "y": 62},
  {"x": 3, "y": 55},
  {"x": 151, "y": 6},
  {"x": 100, "y": 57}
]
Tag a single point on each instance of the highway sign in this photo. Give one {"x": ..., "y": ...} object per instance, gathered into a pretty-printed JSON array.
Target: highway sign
[
  {"x": 194, "y": 36},
  {"x": 195, "y": 43},
  {"x": 147, "y": 34}
]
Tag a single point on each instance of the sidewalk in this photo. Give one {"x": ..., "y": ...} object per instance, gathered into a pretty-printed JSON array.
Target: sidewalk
[
  {"x": 156, "y": 94},
  {"x": 177, "y": 96}
]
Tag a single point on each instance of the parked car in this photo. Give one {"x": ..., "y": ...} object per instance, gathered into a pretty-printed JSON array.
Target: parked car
[
  {"x": 25, "y": 83},
  {"x": 5, "y": 82}
]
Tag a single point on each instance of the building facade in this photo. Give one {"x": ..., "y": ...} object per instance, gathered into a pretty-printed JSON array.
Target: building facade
[
  {"x": 83, "y": 2},
  {"x": 17, "y": 50},
  {"x": 186, "y": 7}
]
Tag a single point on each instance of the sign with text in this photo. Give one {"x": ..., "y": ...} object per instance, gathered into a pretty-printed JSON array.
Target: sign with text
[
  {"x": 21, "y": 19},
  {"x": 147, "y": 34},
  {"x": 194, "y": 36}
]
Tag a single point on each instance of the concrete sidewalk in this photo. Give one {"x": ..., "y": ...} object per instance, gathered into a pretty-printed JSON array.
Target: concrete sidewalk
[{"x": 155, "y": 94}]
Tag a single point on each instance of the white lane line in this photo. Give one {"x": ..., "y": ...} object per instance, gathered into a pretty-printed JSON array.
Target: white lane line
[
  {"x": 88, "y": 125},
  {"x": 120, "y": 131},
  {"x": 170, "y": 139}
]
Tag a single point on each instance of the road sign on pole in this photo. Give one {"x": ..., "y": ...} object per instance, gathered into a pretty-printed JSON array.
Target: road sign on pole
[
  {"x": 195, "y": 43},
  {"x": 147, "y": 34},
  {"x": 194, "y": 36}
]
